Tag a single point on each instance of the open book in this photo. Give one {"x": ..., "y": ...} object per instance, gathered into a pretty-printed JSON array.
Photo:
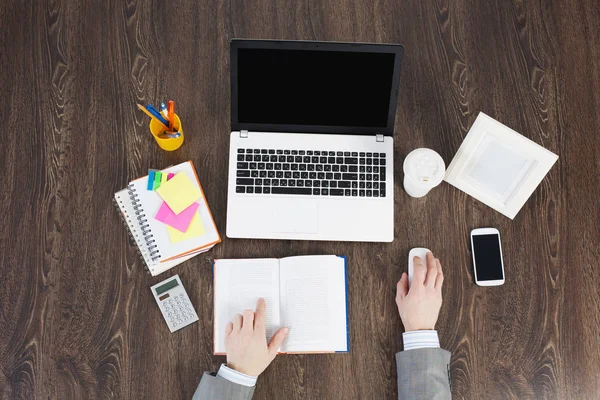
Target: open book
[{"x": 308, "y": 294}]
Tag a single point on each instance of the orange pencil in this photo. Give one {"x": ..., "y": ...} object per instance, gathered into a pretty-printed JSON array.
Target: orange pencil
[
  {"x": 171, "y": 114},
  {"x": 141, "y": 107}
]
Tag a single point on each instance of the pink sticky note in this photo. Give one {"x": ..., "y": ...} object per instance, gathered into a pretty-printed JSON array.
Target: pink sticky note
[
  {"x": 180, "y": 221},
  {"x": 170, "y": 175}
]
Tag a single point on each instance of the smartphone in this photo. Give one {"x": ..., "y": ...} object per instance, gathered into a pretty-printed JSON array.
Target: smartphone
[{"x": 487, "y": 257}]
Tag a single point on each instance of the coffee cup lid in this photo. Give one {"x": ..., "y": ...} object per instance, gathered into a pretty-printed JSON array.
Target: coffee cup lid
[{"x": 425, "y": 167}]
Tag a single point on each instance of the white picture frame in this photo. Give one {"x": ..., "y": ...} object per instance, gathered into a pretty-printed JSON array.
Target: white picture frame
[{"x": 498, "y": 166}]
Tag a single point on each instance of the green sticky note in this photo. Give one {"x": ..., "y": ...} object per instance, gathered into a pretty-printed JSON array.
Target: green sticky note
[{"x": 157, "y": 178}]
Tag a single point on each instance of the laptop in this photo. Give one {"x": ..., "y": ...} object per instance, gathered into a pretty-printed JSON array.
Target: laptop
[{"x": 311, "y": 154}]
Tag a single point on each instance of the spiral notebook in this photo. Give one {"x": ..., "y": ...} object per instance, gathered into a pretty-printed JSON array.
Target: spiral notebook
[{"x": 138, "y": 206}]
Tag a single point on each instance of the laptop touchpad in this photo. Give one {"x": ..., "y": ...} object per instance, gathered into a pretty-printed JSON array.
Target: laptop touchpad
[{"x": 295, "y": 216}]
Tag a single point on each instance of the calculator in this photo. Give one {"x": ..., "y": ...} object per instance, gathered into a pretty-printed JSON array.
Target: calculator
[{"x": 174, "y": 303}]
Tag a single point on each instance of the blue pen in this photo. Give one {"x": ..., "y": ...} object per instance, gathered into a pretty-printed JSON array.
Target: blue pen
[
  {"x": 158, "y": 115},
  {"x": 163, "y": 109}
]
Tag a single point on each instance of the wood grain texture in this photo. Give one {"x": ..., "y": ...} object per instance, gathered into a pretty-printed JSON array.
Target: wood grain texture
[{"x": 77, "y": 319}]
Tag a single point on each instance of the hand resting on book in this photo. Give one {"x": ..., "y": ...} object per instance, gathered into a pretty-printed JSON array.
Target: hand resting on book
[{"x": 246, "y": 343}]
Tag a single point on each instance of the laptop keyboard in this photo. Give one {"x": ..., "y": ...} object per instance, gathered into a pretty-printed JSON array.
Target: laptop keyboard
[{"x": 310, "y": 173}]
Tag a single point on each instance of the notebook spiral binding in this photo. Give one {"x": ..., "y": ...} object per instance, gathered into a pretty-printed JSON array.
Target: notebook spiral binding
[
  {"x": 130, "y": 234},
  {"x": 151, "y": 251},
  {"x": 148, "y": 237}
]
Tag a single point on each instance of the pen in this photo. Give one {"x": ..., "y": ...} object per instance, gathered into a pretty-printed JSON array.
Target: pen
[
  {"x": 148, "y": 113},
  {"x": 171, "y": 112},
  {"x": 155, "y": 112},
  {"x": 163, "y": 109}
]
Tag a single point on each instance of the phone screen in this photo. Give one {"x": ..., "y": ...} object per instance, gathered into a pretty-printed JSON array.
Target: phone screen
[{"x": 488, "y": 260}]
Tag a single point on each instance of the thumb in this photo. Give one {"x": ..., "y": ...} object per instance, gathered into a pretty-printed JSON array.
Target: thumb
[{"x": 276, "y": 340}]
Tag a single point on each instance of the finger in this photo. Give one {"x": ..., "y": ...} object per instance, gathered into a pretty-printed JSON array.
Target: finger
[
  {"x": 276, "y": 340},
  {"x": 402, "y": 286},
  {"x": 419, "y": 271},
  {"x": 237, "y": 322},
  {"x": 259, "y": 315},
  {"x": 228, "y": 329},
  {"x": 439, "y": 281},
  {"x": 248, "y": 320},
  {"x": 431, "y": 270}
]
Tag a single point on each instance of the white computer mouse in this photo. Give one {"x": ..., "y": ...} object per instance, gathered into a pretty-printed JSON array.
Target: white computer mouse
[{"x": 420, "y": 252}]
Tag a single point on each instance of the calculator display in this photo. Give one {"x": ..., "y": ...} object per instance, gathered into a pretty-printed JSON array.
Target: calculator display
[{"x": 169, "y": 285}]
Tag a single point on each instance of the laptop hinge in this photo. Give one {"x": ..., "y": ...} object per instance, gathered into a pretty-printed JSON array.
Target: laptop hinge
[
  {"x": 243, "y": 133},
  {"x": 379, "y": 137}
]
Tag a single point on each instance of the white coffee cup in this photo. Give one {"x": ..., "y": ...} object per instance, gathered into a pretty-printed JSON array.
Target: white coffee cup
[{"x": 424, "y": 169}]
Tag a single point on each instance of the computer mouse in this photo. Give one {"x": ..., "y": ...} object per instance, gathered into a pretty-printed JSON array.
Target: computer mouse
[{"x": 416, "y": 252}]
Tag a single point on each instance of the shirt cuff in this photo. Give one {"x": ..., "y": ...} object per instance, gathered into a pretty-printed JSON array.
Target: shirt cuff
[
  {"x": 420, "y": 340},
  {"x": 236, "y": 377}
]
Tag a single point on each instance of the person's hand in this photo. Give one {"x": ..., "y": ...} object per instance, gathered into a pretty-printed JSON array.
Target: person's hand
[
  {"x": 246, "y": 341},
  {"x": 420, "y": 306}
]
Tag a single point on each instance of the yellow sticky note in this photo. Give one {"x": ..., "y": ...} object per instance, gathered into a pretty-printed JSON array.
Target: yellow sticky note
[
  {"x": 179, "y": 192},
  {"x": 195, "y": 229}
]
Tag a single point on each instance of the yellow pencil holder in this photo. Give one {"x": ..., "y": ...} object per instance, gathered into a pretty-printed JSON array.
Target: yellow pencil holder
[{"x": 168, "y": 144}]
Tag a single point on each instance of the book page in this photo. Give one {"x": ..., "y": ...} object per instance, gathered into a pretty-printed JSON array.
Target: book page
[
  {"x": 313, "y": 303},
  {"x": 238, "y": 285}
]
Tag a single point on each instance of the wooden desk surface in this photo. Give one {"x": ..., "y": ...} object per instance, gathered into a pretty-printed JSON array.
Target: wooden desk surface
[{"x": 77, "y": 319}]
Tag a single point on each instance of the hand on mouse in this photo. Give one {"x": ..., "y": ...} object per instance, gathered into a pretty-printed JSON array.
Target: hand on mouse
[
  {"x": 420, "y": 306},
  {"x": 246, "y": 341}
]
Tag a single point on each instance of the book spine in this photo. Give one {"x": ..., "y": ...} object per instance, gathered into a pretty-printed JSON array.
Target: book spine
[{"x": 144, "y": 227}]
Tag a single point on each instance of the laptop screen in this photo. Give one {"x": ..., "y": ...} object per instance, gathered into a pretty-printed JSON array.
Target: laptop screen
[{"x": 305, "y": 87}]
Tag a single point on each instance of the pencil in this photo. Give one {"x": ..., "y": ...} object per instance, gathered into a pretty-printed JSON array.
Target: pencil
[{"x": 141, "y": 107}]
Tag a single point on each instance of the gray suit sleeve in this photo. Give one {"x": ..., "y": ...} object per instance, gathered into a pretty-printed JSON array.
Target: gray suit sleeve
[
  {"x": 424, "y": 374},
  {"x": 212, "y": 387}
]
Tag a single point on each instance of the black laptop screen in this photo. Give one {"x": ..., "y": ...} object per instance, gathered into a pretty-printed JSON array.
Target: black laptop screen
[{"x": 312, "y": 87}]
